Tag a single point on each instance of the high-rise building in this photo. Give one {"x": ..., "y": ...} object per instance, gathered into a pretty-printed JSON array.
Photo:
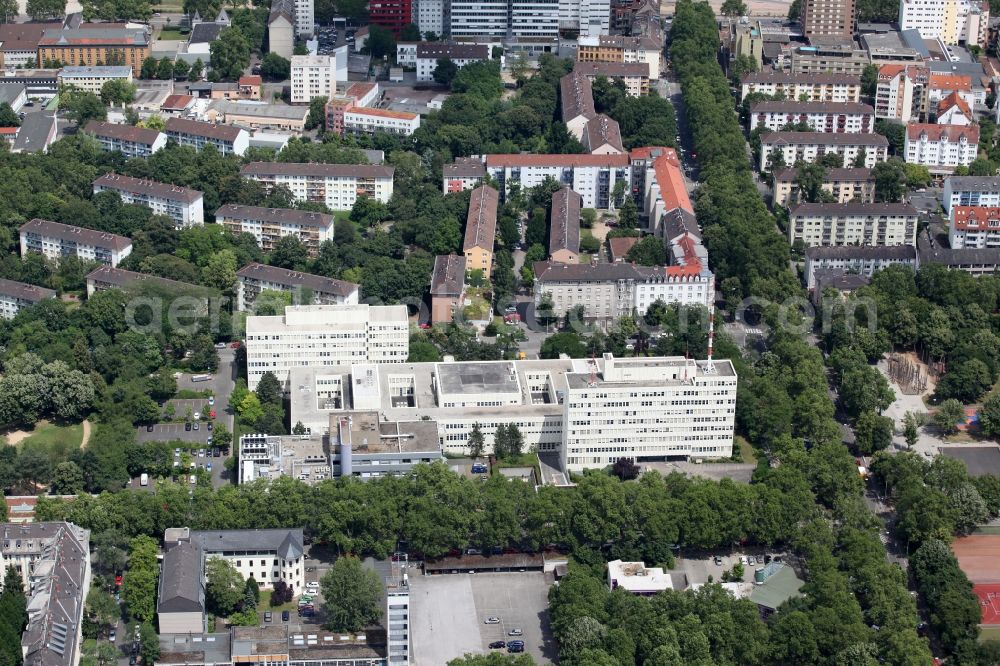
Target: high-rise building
[
  {"x": 828, "y": 18},
  {"x": 951, "y": 21},
  {"x": 431, "y": 16},
  {"x": 313, "y": 76},
  {"x": 504, "y": 18},
  {"x": 392, "y": 14}
]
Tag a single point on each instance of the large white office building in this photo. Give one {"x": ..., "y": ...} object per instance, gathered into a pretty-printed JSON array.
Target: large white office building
[
  {"x": 951, "y": 21},
  {"x": 186, "y": 207},
  {"x": 589, "y": 411},
  {"x": 818, "y": 224},
  {"x": 337, "y": 186},
  {"x": 313, "y": 76},
  {"x": 325, "y": 335},
  {"x": 590, "y": 17},
  {"x": 55, "y": 241}
]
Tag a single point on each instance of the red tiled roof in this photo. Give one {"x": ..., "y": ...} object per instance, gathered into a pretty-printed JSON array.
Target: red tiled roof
[
  {"x": 951, "y": 81},
  {"x": 976, "y": 218},
  {"x": 946, "y": 132},
  {"x": 621, "y": 245},
  {"x": 954, "y": 99},
  {"x": 177, "y": 102},
  {"x": 574, "y": 160},
  {"x": 671, "y": 182},
  {"x": 359, "y": 89},
  {"x": 250, "y": 80},
  {"x": 649, "y": 152}
]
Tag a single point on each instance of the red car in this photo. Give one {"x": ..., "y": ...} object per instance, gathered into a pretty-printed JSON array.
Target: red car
[
  {"x": 236, "y": 345},
  {"x": 211, "y": 414},
  {"x": 118, "y": 580}
]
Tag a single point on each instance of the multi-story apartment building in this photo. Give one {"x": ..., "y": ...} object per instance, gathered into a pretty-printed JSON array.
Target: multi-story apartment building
[
  {"x": 976, "y": 262},
  {"x": 564, "y": 226},
  {"x": 92, "y": 79},
  {"x": 827, "y": 18},
  {"x": 592, "y": 176},
  {"x": 431, "y": 16},
  {"x": 818, "y": 224},
  {"x": 55, "y": 241},
  {"x": 574, "y": 407},
  {"x": 186, "y": 207},
  {"x": 53, "y": 560},
  {"x": 108, "y": 277},
  {"x": 901, "y": 92},
  {"x": 227, "y": 139},
  {"x": 602, "y": 136},
  {"x": 942, "y": 84},
  {"x": 325, "y": 335},
  {"x": 362, "y": 120},
  {"x": 633, "y": 75},
  {"x": 463, "y": 174},
  {"x": 835, "y": 117},
  {"x": 976, "y": 227},
  {"x": 810, "y": 146},
  {"x": 503, "y": 18},
  {"x": 92, "y": 43},
  {"x": 281, "y": 28},
  {"x": 305, "y": 288},
  {"x": 589, "y": 18},
  {"x": 820, "y": 87},
  {"x": 839, "y": 57},
  {"x": 970, "y": 191},
  {"x": 269, "y": 225},
  {"x": 665, "y": 193},
  {"x": 15, "y": 296},
  {"x": 844, "y": 185},
  {"x": 130, "y": 141},
  {"x": 447, "y": 287},
  {"x": 480, "y": 229},
  {"x": 619, "y": 48},
  {"x": 576, "y": 100},
  {"x": 856, "y": 260},
  {"x": 941, "y": 148},
  {"x": 428, "y": 53},
  {"x": 951, "y": 21},
  {"x": 392, "y": 14},
  {"x": 953, "y": 110},
  {"x": 357, "y": 96},
  {"x": 337, "y": 186},
  {"x": 313, "y": 76}
]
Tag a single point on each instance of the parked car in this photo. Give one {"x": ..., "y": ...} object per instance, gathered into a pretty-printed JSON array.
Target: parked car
[
  {"x": 194, "y": 479},
  {"x": 196, "y": 426},
  {"x": 149, "y": 428},
  {"x": 220, "y": 345},
  {"x": 197, "y": 415},
  {"x": 497, "y": 645},
  {"x": 492, "y": 620},
  {"x": 209, "y": 426},
  {"x": 211, "y": 400},
  {"x": 515, "y": 632},
  {"x": 267, "y": 616},
  {"x": 718, "y": 560},
  {"x": 187, "y": 425},
  {"x": 285, "y": 615}
]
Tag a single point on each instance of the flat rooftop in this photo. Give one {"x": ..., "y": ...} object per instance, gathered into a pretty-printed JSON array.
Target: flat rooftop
[
  {"x": 370, "y": 435},
  {"x": 477, "y": 377}
]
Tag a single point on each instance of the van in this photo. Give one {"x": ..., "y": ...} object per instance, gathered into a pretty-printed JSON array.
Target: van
[{"x": 144, "y": 479}]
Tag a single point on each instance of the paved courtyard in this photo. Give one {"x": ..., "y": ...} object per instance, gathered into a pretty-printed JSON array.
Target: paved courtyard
[{"x": 448, "y": 613}]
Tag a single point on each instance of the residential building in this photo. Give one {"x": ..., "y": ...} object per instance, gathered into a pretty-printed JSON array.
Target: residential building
[
  {"x": 463, "y": 174},
  {"x": 953, "y": 110},
  {"x": 503, "y": 18},
  {"x": 186, "y": 207},
  {"x": 92, "y": 79},
  {"x": 592, "y": 176},
  {"x": 130, "y": 141},
  {"x": 447, "y": 287},
  {"x": 853, "y": 224},
  {"x": 281, "y": 28},
  {"x": 861, "y": 260},
  {"x": 970, "y": 191},
  {"x": 108, "y": 277},
  {"x": 392, "y": 14},
  {"x": 633, "y": 75},
  {"x": 358, "y": 96},
  {"x": 619, "y": 48},
  {"x": 406, "y": 53},
  {"x": 638, "y": 579},
  {"x": 176, "y": 105},
  {"x": 258, "y": 115},
  {"x": 249, "y": 85},
  {"x": 180, "y": 606},
  {"x": 844, "y": 185},
  {"x": 564, "y": 226},
  {"x": 810, "y": 146},
  {"x": 15, "y": 296},
  {"x": 37, "y": 132},
  {"x": 602, "y": 136},
  {"x": 431, "y": 16},
  {"x": 836, "y": 117},
  {"x": 313, "y": 76},
  {"x": 366, "y": 447},
  {"x": 228, "y": 140},
  {"x": 336, "y": 185},
  {"x": 665, "y": 192},
  {"x": 951, "y": 21},
  {"x": 836, "y": 57},
  {"x": 745, "y": 39},
  {"x": 818, "y": 87},
  {"x": 480, "y": 230},
  {"x": 19, "y": 42},
  {"x": 305, "y": 288},
  {"x": 901, "y": 92},
  {"x": 325, "y": 335},
  {"x": 55, "y": 241},
  {"x": 590, "y": 18},
  {"x": 576, "y": 98},
  {"x": 361, "y": 120},
  {"x": 827, "y": 18},
  {"x": 941, "y": 148},
  {"x": 976, "y": 262},
  {"x": 571, "y": 407},
  {"x": 92, "y": 43},
  {"x": 976, "y": 227},
  {"x": 53, "y": 560},
  {"x": 943, "y": 84},
  {"x": 397, "y": 614},
  {"x": 269, "y": 225},
  {"x": 428, "y": 53}
]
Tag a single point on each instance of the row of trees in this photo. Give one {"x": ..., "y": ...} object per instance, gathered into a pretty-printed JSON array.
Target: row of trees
[
  {"x": 13, "y": 617},
  {"x": 167, "y": 69}
]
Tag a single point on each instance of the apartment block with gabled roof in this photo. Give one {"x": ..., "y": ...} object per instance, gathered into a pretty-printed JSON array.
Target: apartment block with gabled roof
[
  {"x": 55, "y": 241},
  {"x": 186, "y": 207},
  {"x": 480, "y": 229}
]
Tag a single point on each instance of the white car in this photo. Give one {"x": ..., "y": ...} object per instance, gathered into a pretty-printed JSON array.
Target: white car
[
  {"x": 211, "y": 400},
  {"x": 312, "y": 586},
  {"x": 197, "y": 415},
  {"x": 492, "y": 620},
  {"x": 194, "y": 479}
]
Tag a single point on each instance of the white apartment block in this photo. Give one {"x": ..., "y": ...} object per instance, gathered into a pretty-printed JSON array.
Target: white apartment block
[
  {"x": 970, "y": 191},
  {"x": 828, "y": 117},
  {"x": 336, "y": 185},
  {"x": 504, "y": 18},
  {"x": 406, "y": 53},
  {"x": 951, "y": 21},
  {"x": 269, "y": 225},
  {"x": 15, "y": 296},
  {"x": 428, "y": 53},
  {"x": 590, "y": 17},
  {"x": 819, "y": 224},
  {"x": 325, "y": 335},
  {"x": 430, "y": 16},
  {"x": 814, "y": 87},
  {"x": 186, "y": 207},
  {"x": 975, "y": 227},
  {"x": 227, "y": 139},
  {"x": 363, "y": 120},
  {"x": 941, "y": 148},
  {"x": 590, "y": 411},
  {"x": 313, "y": 76},
  {"x": 92, "y": 79},
  {"x": 856, "y": 259},
  {"x": 593, "y": 177},
  {"x": 306, "y": 288},
  {"x": 810, "y": 146},
  {"x": 55, "y": 241},
  {"x": 130, "y": 141},
  {"x": 901, "y": 91}
]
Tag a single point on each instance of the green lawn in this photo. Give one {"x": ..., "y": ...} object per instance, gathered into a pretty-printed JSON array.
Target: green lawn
[
  {"x": 529, "y": 459},
  {"x": 746, "y": 451},
  {"x": 173, "y": 34},
  {"x": 265, "y": 604},
  {"x": 989, "y": 634},
  {"x": 54, "y": 441}
]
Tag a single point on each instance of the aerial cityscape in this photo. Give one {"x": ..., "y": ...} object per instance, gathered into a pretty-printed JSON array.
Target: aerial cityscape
[{"x": 500, "y": 333}]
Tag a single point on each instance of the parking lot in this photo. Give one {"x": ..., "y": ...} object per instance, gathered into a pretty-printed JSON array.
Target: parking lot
[
  {"x": 699, "y": 569},
  {"x": 450, "y": 612}
]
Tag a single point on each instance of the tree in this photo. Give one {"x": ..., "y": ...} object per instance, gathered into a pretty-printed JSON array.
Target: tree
[
  {"x": 317, "y": 113},
  {"x": 650, "y": 251},
  {"x": 568, "y": 343},
  {"x": 873, "y": 432},
  {"x": 869, "y": 80},
  {"x": 380, "y": 43},
  {"x": 911, "y": 426},
  {"x": 476, "y": 441},
  {"x": 197, "y": 69},
  {"x": 890, "y": 181},
  {"x": 299, "y": 429},
  {"x": 139, "y": 583},
  {"x": 368, "y": 211},
  {"x": 181, "y": 70},
  {"x": 7, "y": 116},
  {"x": 734, "y": 8},
  {"x": 165, "y": 69},
  {"x": 989, "y": 416},
  {"x": 225, "y": 588},
  {"x": 275, "y": 68},
  {"x": 82, "y": 107},
  {"x": 101, "y": 610},
  {"x": 410, "y": 33},
  {"x": 894, "y": 132},
  {"x": 249, "y": 409},
  {"x": 508, "y": 442},
  {"x": 281, "y": 594},
  {"x": 742, "y": 64},
  {"x": 8, "y": 11},
  {"x": 149, "y": 644},
  {"x": 949, "y": 415},
  {"x": 445, "y": 71},
  {"x": 860, "y": 159},
  {"x": 67, "y": 479},
  {"x": 352, "y": 595},
  {"x": 117, "y": 91},
  {"x": 809, "y": 178},
  {"x": 269, "y": 389},
  {"x": 43, "y": 10},
  {"x": 628, "y": 215},
  {"x": 148, "y": 70},
  {"x": 625, "y": 469},
  {"x": 230, "y": 54}
]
